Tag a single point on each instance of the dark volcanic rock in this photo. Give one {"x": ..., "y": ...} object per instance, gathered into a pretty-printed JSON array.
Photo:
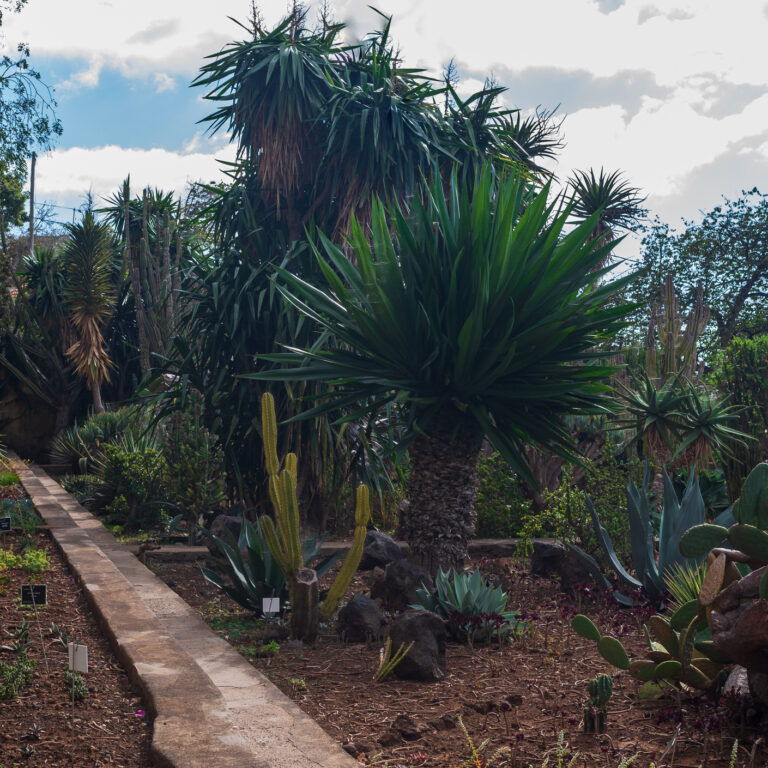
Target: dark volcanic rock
[
  {"x": 397, "y": 589},
  {"x": 360, "y": 620},
  {"x": 379, "y": 551},
  {"x": 426, "y": 659},
  {"x": 546, "y": 558}
]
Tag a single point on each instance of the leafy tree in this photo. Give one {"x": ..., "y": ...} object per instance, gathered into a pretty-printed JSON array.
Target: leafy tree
[
  {"x": 321, "y": 128},
  {"x": 727, "y": 251},
  {"x": 477, "y": 315},
  {"x": 27, "y": 118}
]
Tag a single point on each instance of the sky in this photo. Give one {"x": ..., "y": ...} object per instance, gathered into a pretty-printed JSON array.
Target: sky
[{"x": 674, "y": 94}]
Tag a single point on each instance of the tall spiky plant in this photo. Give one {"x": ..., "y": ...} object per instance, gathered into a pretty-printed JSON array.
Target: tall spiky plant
[
  {"x": 614, "y": 201},
  {"x": 478, "y": 316},
  {"x": 89, "y": 297}
]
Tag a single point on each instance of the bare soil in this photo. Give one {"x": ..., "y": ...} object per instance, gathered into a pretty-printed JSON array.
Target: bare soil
[
  {"x": 521, "y": 696},
  {"x": 40, "y": 727}
]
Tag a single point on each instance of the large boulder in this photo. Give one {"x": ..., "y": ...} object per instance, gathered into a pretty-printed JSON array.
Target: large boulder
[
  {"x": 573, "y": 572},
  {"x": 546, "y": 558},
  {"x": 397, "y": 587},
  {"x": 426, "y": 659},
  {"x": 379, "y": 550},
  {"x": 221, "y": 527},
  {"x": 361, "y": 620}
]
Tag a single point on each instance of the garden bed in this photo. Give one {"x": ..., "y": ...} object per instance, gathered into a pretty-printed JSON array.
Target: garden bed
[
  {"x": 39, "y": 726},
  {"x": 522, "y": 696}
]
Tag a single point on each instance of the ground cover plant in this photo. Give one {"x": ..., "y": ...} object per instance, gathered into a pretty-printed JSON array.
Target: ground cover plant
[{"x": 111, "y": 724}]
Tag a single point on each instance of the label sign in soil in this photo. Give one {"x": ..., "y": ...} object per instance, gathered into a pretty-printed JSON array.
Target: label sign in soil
[
  {"x": 5, "y": 524},
  {"x": 270, "y": 604},
  {"x": 34, "y": 594},
  {"x": 78, "y": 657}
]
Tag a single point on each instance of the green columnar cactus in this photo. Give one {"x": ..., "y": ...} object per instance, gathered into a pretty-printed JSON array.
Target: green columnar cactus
[
  {"x": 678, "y": 347},
  {"x": 600, "y": 690},
  {"x": 283, "y": 536},
  {"x": 352, "y": 560}
]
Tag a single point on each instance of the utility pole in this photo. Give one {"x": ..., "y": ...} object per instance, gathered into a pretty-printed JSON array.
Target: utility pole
[{"x": 32, "y": 205}]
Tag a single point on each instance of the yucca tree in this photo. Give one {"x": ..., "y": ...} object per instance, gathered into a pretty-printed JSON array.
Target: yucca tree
[
  {"x": 617, "y": 204},
  {"x": 478, "y": 316},
  {"x": 89, "y": 295}
]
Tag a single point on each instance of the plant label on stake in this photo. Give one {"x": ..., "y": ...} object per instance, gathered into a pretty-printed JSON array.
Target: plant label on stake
[
  {"x": 77, "y": 657},
  {"x": 5, "y": 524},
  {"x": 34, "y": 594},
  {"x": 270, "y": 605}
]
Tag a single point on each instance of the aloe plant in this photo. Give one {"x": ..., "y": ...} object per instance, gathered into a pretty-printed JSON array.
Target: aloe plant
[{"x": 677, "y": 516}]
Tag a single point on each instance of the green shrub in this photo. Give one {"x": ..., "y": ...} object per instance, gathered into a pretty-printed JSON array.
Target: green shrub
[
  {"x": 84, "y": 488},
  {"x": 566, "y": 517},
  {"x": 81, "y": 447},
  {"x": 741, "y": 371},
  {"x": 74, "y": 685},
  {"x": 196, "y": 478},
  {"x": 134, "y": 488},
  {"x": 9, "y": 478},
  {"x": 500, "y": 504},
  {"x": 15, "y": 676}
]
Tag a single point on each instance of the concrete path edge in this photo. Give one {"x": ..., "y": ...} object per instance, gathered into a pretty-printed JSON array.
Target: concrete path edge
[{"x": 211, "y": 708}]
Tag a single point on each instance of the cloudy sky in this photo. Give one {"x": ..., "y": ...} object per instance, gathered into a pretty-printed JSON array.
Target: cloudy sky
[{"x": 673, "y": 93}]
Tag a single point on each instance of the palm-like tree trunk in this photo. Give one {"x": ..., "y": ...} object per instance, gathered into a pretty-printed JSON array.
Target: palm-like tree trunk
[{"x": 440, "y": 517}]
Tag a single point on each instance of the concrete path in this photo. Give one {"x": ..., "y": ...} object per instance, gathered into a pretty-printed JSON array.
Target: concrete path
[{"x": 211, "y": 708}]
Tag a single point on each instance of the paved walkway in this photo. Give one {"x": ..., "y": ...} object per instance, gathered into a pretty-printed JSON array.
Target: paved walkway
[{"x": 211, "y": 708}]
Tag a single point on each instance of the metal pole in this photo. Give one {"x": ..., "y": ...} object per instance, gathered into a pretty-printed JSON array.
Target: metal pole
[{"x": 32, "y": 205}]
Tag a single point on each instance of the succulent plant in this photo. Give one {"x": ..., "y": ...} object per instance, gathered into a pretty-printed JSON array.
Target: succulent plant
[
  {"x": 674, "y": 656},
  {"x": 677, "y": 516},
  {"x": 600, "y": 691}
]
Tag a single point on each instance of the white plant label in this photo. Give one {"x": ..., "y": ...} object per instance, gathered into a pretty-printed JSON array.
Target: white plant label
[
  {"x": 78, "y": 657},
  {"x": 270, "y": 604}
]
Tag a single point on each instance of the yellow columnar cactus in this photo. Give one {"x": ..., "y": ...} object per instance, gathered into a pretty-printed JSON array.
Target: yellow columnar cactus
[
  {"x": 352, "y": 560},
  {"x": 283, "y": 536}
]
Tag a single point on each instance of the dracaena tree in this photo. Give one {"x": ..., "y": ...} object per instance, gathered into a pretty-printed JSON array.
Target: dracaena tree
[
  {"x": 475, "y": 312},
  {"x": 89, "y": 295}
]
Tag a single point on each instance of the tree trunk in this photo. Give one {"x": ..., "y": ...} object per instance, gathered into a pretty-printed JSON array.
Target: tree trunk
[
  {"x": 440, "y": 517},
  {"x": 98, "y": 405}
]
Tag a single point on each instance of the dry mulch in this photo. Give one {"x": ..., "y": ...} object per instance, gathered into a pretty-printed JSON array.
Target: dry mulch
[
  {"x": 37, "y": 728},
  {"x": 542, "y": 678}
]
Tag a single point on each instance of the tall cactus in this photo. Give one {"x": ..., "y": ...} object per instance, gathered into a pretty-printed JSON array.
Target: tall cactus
[
  {"x": 352, "y": 560},
  {"x": 678, "y": 348},
  {"x": 283, "y": 536}
]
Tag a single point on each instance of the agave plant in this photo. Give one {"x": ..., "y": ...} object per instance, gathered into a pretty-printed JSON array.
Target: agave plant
[
  {"x": 480, "y": 318},
  {"x": 677, "y": 516},
  {"x": 468, "y": 603}
]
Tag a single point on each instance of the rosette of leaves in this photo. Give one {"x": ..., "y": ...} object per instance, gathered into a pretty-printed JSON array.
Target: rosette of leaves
[{"x": 469, "y": 603}]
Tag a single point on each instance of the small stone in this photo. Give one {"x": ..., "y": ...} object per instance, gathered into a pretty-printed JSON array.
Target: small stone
[
  {"x": 406, "y": 727},
  {"x": 389, "y": 738},
  {"x": 443, "y": 723},
  {"x": 379, "y": 550},
  {"x": 360, "y": 620},
  {"x": 737, "y": 683}
]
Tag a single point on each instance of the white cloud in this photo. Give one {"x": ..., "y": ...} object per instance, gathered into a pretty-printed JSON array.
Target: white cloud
[
  {"x": 66, "y": 175},
  {"x": 164, "y": 82},
  {"x": 694, "y": 50}
]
